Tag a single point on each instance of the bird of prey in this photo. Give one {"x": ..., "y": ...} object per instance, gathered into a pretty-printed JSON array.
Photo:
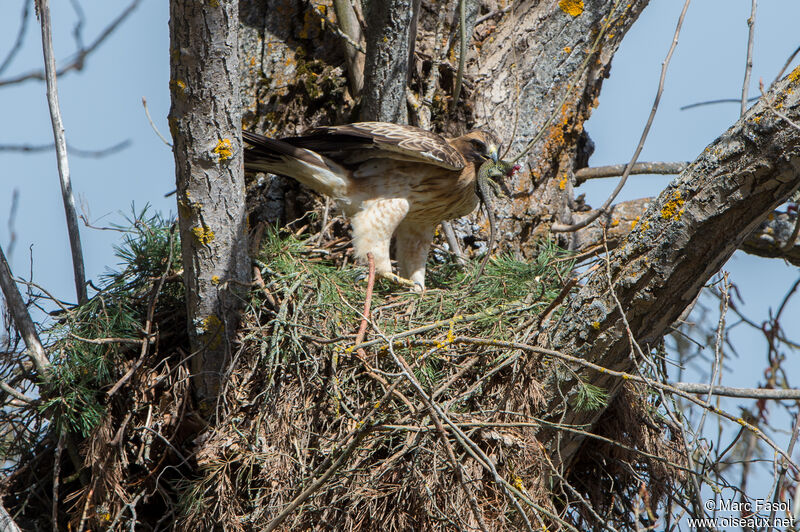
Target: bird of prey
[{"x": 389, "y": 179}]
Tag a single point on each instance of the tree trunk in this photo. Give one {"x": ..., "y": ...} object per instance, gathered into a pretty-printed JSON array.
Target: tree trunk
[
  {"x": 205, "y": 123},
  {"x": 390, "y": 35}
]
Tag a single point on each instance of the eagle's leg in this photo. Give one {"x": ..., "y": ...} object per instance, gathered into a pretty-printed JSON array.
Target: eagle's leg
[
  {"x": 413, "y": 241},
  {"x": 373, "y": 227}
]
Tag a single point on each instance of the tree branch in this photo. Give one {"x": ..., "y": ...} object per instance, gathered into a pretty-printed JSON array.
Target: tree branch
[
  {"x": 61, "y": 152},
  {"x": 77, "y": 61},
  {"x": 22, "y": 319},
  {"x": 597, "y": 172},
  {"x": 683, "y": 239}
]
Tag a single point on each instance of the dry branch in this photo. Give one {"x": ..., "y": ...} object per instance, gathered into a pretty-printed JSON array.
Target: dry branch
[
  {"x": 597, "y": 172},
  {"x": 61, "y": 151},
  {"x": 21, "y": 317}
]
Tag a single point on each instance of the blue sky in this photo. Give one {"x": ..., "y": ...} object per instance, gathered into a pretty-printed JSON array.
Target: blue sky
[{"x": 102, "y": 106}]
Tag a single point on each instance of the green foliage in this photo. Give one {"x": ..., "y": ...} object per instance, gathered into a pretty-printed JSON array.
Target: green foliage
[
  {"x": 590, "y": 398},
  {"x": 327, "y": 300},
  {"x": 83, "y": 366}
]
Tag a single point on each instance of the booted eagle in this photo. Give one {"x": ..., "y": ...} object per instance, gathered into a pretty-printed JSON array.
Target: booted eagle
[{"x": 390, "y": 180}]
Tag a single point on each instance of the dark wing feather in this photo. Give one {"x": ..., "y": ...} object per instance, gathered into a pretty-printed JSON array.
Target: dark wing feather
[{"x": 355, "y": 143}]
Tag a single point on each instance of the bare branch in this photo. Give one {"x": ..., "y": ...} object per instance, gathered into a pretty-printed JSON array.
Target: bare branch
[
  {"x": 77, "y": 61},
  {"x": 22, "y": 319},
  {"x": 38, "y": 148},
  {"x": 152, "y": 124},
  {"x": 655, "y": 167},
  {"x": 751, "y": 23},
  {"x": 785, "y": 66},
  {"x": 727, "y": 391},
  {"x": 23, "y": 28},
  {"x": 61, "y": 151}
]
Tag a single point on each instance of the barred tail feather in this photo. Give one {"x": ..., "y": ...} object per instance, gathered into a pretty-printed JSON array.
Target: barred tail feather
[{"x": 309, "y": 168}]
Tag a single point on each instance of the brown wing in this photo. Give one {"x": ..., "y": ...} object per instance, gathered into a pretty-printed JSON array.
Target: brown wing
[{"x": 355, "y": 143}]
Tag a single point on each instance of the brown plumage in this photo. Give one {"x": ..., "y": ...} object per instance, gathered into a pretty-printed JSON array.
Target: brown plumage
[{"x": 389, "y": 179}]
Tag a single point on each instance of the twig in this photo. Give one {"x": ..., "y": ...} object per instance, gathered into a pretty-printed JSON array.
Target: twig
[
  {"x": 714, "y": 102},
  {"x": 56, "y": 477},
  {"x": 782, "y": 475},
  {"x": 23, "y": 28},
  {"x": 466, "y": 443},
  {"x": 12, "y": 216},
  {"x": 747, "y": 393},
  {"x": 79, "y": 58},
  {"x": 502, "y": 344},
  {"x": 106, "y": 341},
  {"x": 367, "y": 304},
  {"x": 655, "y": 167},
  {"x": 152, "y": 124},
  {"x": 13, "y": 392},
  {"x": 751, "y": 23},
  {"x": 338, "y": 31},
  {"x": 95, "y": 154},
  {"x": 493, "y": 14},
  {"x": 602, "y": 210},
  {"x": 61, "y": 151},
  {"x": 148, "y": 322},
  {"x": 785, "y": 66},
  {"x": 22, "y": 319},
  {"x": 452, "y": 241}
]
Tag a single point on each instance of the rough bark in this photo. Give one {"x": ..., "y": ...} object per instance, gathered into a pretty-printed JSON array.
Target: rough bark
[
  {"x": 683, "y": 239},
  {"x": 770, "y": 239},
  {"x": 205, "y": 123},
  {"x": 389, "y": 40},
  {"x": 529, "y": 72}
]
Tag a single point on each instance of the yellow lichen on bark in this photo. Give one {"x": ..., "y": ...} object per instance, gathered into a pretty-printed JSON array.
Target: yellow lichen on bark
[
  {"x": 672, "y": 209},
  {"x": 795, "y": 74},
  {"x": 223, "y": 149},
  {"x": 571, "y": 7},
  {"x": 204, "y": 235}
]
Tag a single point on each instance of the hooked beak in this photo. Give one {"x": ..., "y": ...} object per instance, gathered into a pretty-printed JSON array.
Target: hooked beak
[{"x": 493, "y": 153}]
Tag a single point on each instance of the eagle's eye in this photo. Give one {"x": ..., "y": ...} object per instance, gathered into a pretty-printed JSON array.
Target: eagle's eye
[{"x": 479, "y": 146}]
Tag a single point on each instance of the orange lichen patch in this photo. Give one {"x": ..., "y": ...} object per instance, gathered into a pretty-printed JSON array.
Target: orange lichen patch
[
  {"x": 215, "y": 280},
  {"x": 571, "y": 7},
  {"x": 614, "y": 222},
  {"x": 795, "y": 74},
  {"x": 596, "y": 325},
  {"x": 204, "y": 235},
  {"x": 672, "y": 209},
  {"x": 223, "y": 149},
  {"x": 568, "y": 49},
  {"x": 634, "y": 222},
  {"x": 562, "y": 183}
]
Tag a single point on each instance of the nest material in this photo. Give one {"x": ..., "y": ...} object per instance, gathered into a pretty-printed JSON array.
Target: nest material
[{"x": 429, "y": 425}]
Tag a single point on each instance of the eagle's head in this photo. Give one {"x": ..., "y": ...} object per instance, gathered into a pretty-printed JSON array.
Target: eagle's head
[{"x": 481, "y": 146}]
